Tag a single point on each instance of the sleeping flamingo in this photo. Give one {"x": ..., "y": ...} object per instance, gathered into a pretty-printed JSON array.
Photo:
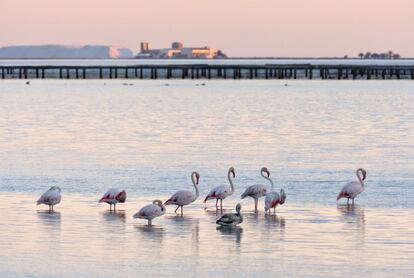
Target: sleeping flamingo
[
  {"x": 185, "y": 197},
  {"x": 353, "y": 188},
  {"x": 113, "y": 196},
  {"x": 273, "y": 198},
  {"x": 258, "y": 190},
  {"x": 221, "y": 192},
  {"x": 51, "y": 197},
  {"x": 151, "y": 211}
]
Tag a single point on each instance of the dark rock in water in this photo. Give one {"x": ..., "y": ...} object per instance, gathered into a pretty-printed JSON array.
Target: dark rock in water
[
  {"x": 203, "y": 84},
  {"x": 28, "y": 83}
]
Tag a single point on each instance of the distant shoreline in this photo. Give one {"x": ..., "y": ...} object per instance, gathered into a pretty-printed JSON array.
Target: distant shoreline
[{"x": 218, "y": 59}]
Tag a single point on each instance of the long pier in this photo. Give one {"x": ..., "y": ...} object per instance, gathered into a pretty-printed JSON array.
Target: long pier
[{"x": 209, "y": 71}]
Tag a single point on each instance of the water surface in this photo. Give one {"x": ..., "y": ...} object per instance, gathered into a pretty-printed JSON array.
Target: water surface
[{"x": 148, "y": 136}]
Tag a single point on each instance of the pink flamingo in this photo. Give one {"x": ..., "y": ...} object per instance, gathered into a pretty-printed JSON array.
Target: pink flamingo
[
  {"x": 151, "y": 211},
  {"x": 221, "y": 192},
  {"x": 258, "y": 190},
  {"x": 353, "y": 188},
  {"x": 185, "y": 197},
  {"x": 113, "y": 196}
]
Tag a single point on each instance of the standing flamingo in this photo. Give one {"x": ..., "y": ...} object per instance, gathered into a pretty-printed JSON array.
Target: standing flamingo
[
  {"x": 221, "y": 192},
  {"x": 185, "y": 197},
  {"x": 51, "y": 197},
  {"x": 151, "y": 211},
  {"x": 231, "y": 219},
  {"x": 113, "y": 196},
  {"x": 258, "y": 190},
  {"x": 353, "y": 188},
  {"x": 274, "y": 198}
]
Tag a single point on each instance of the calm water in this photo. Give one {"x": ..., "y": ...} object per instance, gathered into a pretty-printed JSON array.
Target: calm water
[{"x": 147, "y": 137}]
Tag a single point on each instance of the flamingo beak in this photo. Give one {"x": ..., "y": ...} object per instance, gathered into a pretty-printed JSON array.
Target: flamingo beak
[
  {"x": 198, "y": 179},
  {"x": 364, "y": 175}
]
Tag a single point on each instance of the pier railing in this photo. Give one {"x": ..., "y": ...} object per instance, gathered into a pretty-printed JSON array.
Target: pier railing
[{"x": 208, "y": 71}]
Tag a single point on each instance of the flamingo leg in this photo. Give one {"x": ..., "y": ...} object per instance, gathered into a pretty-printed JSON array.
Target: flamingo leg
[
  {"x": 347, "y": 202},
  {"x": 352, "y": 201},
  {"x": 255, "y": 204},
  {"x": 221, "y": 204},
  {"x": 114, "y": 207},
  {"x": 149, "y": 222},
  {"x": 181, "y": 210},
  {"x": 274, "y": 210},
  {"x": 216, "y": 203},
  {"x": 175, "y": 211}
]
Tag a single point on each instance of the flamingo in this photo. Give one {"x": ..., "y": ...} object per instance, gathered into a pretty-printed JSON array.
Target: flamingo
[
  {"x": 151, "y": 211},
  {"x": 231, "y": 219},
  {"x": 113, "y": 196},
  {"x": 274, "y": 198},
  {"x": 185, "y": 197},
  {"x": 221, "y": 192},
  {"x": 258, "y": 190},
  {"x": 353, "y": 188},
  {"x": 51, "y": 197}
]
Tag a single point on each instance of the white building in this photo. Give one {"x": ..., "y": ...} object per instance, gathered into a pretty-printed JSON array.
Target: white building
[{"x": 178, "y": 51}]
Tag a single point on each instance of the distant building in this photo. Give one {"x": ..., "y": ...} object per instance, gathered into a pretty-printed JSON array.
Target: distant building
[
  {"x": 145, "y": 47},
  {"x": 178, "y": 50}
]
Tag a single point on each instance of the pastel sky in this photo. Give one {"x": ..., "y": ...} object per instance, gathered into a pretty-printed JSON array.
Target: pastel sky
[{"x": 238, "y": 27}]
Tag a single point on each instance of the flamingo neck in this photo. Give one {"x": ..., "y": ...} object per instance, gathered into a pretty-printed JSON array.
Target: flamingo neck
[
  {"x": 195, "y": 184},
  {"x": 271, "y": 182},
  {"x": 360, "y": 178},
  {"x": 231, "y": 182},
  {"x": 271, "y": 185}
]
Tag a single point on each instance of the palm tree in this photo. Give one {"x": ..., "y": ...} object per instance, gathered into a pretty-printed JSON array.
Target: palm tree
[{"x": 361, "y": 55}]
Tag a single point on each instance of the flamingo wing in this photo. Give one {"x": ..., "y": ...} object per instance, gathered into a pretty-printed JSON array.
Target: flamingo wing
[
  {"x": 256, "y": 190},
  {"x": 112, "y": 194},
  {"x": 272, "y": 200},
  {"x": 182, "y": 197},
  {"x": 350, "y": 190},
  {"x": 218, "y": 192},
  {"x": 149, "y": 212},
  {"x": 50, "y": 197}
]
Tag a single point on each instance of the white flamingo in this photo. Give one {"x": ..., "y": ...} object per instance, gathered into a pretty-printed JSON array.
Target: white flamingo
[
  {"x": 185, "y": 197},
  {"x": 353, "y": 188},
  {"x": 151, "y": 211},
  {"x": 113, "y": 196},
  {"x": 258, "y": 190},
  {"x": 231, "y": 219},
  {"x": 51, "y": 197},
  {"x": 222, "y": 191}
]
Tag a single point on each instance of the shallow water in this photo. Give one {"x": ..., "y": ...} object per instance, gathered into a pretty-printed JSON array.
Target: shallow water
[
  {"x": 86, "y": 136},
  {"x": 83, "y": 239},
  {"x": 148, "y": 136}
]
